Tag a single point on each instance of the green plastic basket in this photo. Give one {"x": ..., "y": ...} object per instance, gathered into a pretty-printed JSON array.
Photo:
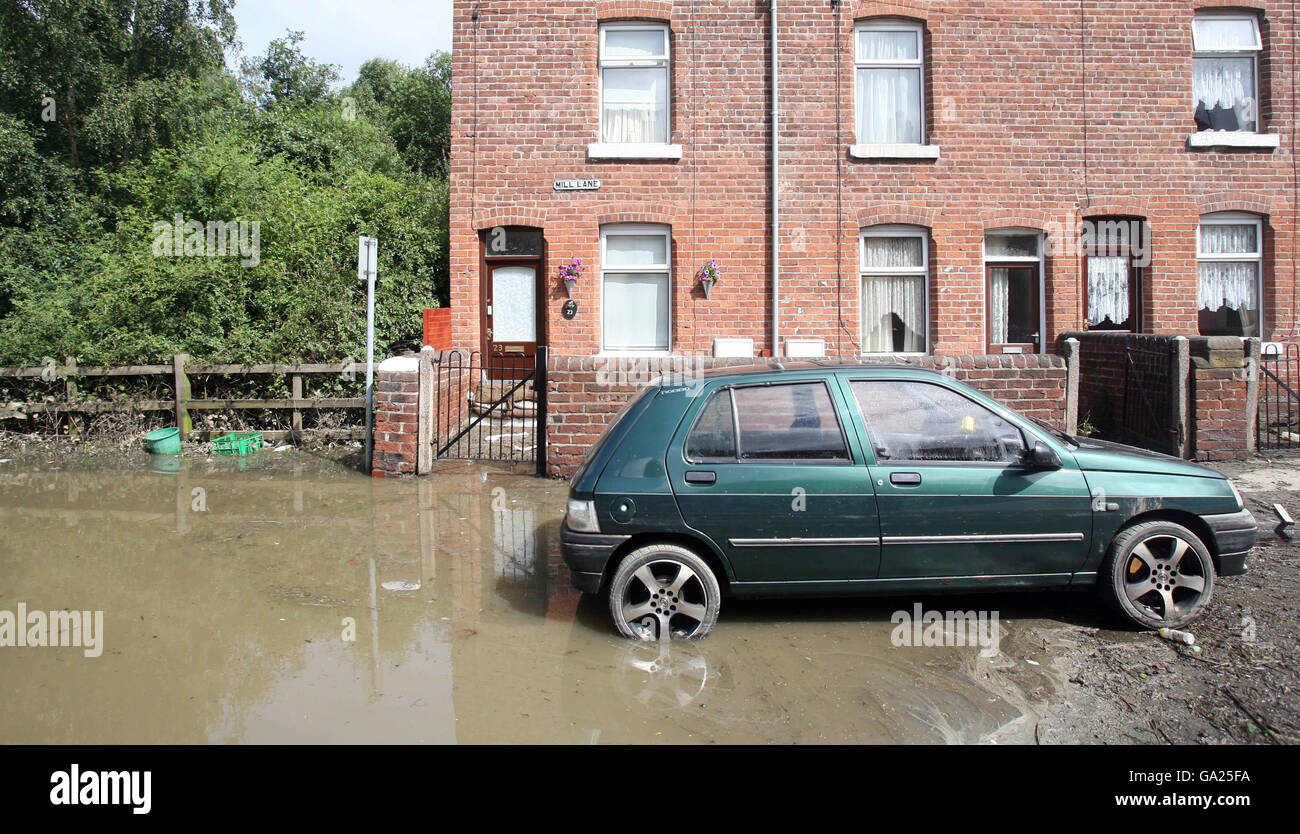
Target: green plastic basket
[{"x": 238, "y": 443}]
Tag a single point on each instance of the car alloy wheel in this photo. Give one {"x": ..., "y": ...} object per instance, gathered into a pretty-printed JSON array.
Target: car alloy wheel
[
  {"x": 663, "y": 591},
  {"x": 1160, "y": 574}
]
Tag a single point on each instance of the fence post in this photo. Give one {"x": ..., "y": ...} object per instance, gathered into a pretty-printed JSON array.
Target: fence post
[
  {"x": 1179, "y": 379},
  {"x": 1252, "y": 347},
  {"x": 182, "y": 387},
  {"x": 295, "y": 391},
  {"x": 1071, "y": 350},
  {"x": 424, "y": 415},
  {"x": 539, "y": 388}
]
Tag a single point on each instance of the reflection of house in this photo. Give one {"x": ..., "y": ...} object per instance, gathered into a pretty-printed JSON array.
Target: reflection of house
[{"x": 942, "y": 167}]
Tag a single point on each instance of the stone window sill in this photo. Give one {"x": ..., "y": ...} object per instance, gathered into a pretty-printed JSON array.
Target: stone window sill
[
  {"x": 1233, "y": 139},
  {"x": 603, "y": 150},
  {"x": 894, "y": 151}
]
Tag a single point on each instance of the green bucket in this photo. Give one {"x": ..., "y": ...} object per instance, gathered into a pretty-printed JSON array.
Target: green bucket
[{"x": 164, "y": 442}]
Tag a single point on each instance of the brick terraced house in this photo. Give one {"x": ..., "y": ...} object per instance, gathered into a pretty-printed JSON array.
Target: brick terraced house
[
  {"x": 940, "y": 169},
  {"x": 960, "y": 183}
]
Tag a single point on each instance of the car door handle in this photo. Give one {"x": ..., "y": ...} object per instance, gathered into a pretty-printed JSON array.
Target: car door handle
[
  {"x": 905, "y": 479},
  {"x": 701, "y": 477}
]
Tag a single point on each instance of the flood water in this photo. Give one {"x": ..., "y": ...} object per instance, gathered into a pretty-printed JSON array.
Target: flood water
[{"x": 286, "y": 598}]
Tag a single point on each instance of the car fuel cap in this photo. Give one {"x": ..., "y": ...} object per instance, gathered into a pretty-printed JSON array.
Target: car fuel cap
[{"x": 623, "y": 510}]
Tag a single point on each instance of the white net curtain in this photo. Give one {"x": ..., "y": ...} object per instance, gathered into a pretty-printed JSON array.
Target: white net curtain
[
  {"x": 999, "y": 305},
  {"x": 1108, "y": 290},
  {"x": 1229, "y": 84},
  {"x": 893, "y": 306},
  {"x": 635, "y": 106},
  {"x": 1225, "y": 283}
]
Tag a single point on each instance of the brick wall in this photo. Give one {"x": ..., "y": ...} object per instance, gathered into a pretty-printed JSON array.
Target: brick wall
[
  {"x": 1046, "y": 111},
  {"x": 584, "y": 394},
  {"x": 1219, "y": 414},
  {"x": 397, "y": 396}
]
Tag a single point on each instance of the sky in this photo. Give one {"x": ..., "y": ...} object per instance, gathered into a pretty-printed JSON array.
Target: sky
[{"x": 348, "y": 32}]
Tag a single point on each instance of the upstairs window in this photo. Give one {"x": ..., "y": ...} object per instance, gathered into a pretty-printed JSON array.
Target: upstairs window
[
  {"x": 1225, "y": 72},
  {"x": 1229, "y": 261},
  {"x": 890, "y": 98},
  {"x": 634, "y": 80}
]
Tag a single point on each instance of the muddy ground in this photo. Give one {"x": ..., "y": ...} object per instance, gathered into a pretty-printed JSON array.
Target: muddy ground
[
  {"x": 1118, "y": 685},
  {"x": 223, "y": 625}
]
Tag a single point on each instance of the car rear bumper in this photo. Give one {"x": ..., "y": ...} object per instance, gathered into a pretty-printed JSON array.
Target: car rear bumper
[
  {"x": 1234, "y": 536},
  {"x": 586, "y": 554}
]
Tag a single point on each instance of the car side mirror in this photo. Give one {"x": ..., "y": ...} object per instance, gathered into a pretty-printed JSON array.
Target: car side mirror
[{"x": 1040, "y": 457}]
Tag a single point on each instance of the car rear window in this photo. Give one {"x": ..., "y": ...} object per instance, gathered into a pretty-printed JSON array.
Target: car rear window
[{"x": 789, "y": 422}]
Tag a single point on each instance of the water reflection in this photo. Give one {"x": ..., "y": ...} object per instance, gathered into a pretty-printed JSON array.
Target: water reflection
[{"x": 227, "y": 619}]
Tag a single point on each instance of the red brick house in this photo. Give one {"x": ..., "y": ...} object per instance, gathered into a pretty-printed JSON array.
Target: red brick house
[{"x": 947, "y": 172}]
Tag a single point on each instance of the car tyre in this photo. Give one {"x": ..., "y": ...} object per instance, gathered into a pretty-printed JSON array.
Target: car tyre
[
  {"x": 1158, "y": 574},
  {"x": 661, "y": 591}
]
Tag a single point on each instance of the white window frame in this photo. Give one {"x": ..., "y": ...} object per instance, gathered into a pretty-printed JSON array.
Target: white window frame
[
  {"x": 923, "y": 271},
  {"x": 908, "y": 150},
  {"x": 636, "y": 230},
  {"x": 1249, "y": 52},
  {"x": 1027, "y": 260},
  {"x": 601, "y": 149},
  {"x": 1236, "y": 218}
]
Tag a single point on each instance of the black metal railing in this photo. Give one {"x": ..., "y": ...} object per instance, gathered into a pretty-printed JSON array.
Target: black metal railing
[
  {"x": 1278, "y": 418},
  {"x": 488, "y": 409}
]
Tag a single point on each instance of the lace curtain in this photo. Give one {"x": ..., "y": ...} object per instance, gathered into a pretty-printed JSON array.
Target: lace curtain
[
  {"x": 1229, "y": 239},
  {"x": 893, "y": 314},
  {"x": 1108, "y": 290},
  {"x": 1227, "y": 83},
  {"x": 635, "y": 106},
  {"x": 1231, "y": 285},
  {"x": 999, "y": 305}
]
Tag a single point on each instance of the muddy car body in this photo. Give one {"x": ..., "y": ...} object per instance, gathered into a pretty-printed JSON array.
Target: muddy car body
[{"x": 814, "y": 479}]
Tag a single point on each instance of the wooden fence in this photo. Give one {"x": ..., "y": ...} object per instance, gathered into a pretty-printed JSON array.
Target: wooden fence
[{"x": 181, "y": 403}]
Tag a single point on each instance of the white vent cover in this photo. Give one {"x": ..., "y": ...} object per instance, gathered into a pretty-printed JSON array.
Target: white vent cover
[
  {"x": 805, "y": 348},
  {"x": 733, "y": 348}
]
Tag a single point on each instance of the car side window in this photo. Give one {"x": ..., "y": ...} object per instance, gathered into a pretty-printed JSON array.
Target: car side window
[
  {"x": 920, "y": 421},
  {"x": 713, "y": 437},
  {"x": 795, "y": 421}
]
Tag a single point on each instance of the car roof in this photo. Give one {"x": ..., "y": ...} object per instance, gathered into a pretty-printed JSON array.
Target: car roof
[{"x": 777, "y": 366}]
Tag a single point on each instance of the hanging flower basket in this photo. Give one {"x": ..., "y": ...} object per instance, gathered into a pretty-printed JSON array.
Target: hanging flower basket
[
  {"x": 569, "y": 274},
  {"x": 708, "y": 276}
]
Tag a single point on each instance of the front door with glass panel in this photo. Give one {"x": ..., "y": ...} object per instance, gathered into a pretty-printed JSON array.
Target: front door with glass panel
[
  {"x": 510, "y": 319},
  {"x": 1013, "y": 309}
]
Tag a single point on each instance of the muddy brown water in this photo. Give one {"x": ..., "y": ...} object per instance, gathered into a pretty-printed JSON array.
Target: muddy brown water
[{"x": 229, "y": 590}]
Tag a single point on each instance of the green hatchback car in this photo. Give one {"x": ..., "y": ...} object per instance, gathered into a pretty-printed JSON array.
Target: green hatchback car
[{"x": 815, "y": 479}]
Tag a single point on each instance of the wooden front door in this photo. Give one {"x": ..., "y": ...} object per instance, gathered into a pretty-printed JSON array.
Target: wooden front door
[
  {"x": 1014, "y": 309},
  {"x": 510, "y": 317}
]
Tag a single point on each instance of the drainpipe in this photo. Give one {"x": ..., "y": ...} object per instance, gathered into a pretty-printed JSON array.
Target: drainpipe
[{"x": 776, "y": 191}]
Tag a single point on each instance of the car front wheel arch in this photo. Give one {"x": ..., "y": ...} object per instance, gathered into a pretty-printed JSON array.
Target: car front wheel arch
[{"x": 1191, "y": 521}]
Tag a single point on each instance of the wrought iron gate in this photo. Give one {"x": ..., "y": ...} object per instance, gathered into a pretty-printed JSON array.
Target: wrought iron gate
[
  {"x": 1278, "y": 418},
  {"x": 491, "y": 409}
]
